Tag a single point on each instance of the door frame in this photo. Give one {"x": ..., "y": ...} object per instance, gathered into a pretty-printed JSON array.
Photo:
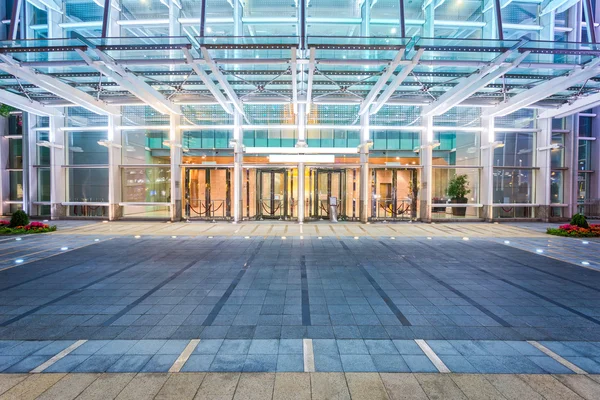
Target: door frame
[{"x": 227, "y": 213}]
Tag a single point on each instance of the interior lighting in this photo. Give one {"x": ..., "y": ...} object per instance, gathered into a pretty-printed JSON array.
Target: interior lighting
[
  {"x": 208, "y": 29},
  {"x": 393, "y": 31}
]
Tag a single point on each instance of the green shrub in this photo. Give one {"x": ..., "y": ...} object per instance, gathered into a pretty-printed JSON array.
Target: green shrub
[
  {"x": 19, "y": 218},
  {"x": 580, "y": 221}
]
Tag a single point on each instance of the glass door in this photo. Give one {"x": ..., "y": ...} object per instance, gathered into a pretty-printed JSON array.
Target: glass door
[
  {"x": 273, "y": 194},
  {"x": 208, "y": 193},
  {"x": 327, "y": 184},
  {"x": 392, "y": 194}
]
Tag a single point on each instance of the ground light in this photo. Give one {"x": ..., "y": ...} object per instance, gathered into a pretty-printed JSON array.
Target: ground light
[
  {"x": 301, "y": 237},
  {"x": 246, "y": 237},
  {"x": 137, "y": 236},
  {"x": 539, "y": 251},
  {"x": 283, "y": 238},
  {"x": 19, "y": 260},
  {"x": 18, "y": 239},
  {"x": 465, "y": 238},
  {"x": 64, "y": 248},
  {"x": 320, "y": 237},
  {"x": 428, "y": 237},
  {"x": 355, "y": 237},
  {"x": 584, "y": 242},
  {"x": 585, "y": 263},
  {"x": 507, "y": 242},
  {"x": 393, "y": 238},
  {"x": 173, "y": 237},
  {"x": 96, "y": 240},
  {"x": 210, "y": 237}
]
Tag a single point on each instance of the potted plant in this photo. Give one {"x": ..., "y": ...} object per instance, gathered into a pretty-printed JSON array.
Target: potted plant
[{"x": 457, "y": 191}]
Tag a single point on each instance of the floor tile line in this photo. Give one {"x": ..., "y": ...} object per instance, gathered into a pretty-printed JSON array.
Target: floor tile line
[
  {"x": 384, "y": 296},
  {"x": 557, "y": 357},
  {"x": 541, "y": 296},
  {"x": 435, "y": 360},
  {"x": 538, "y": 269},
  {"x": 305, "y": 295},
  {"x": 133, "y": 304},
  {"x": 53, "y": 360},
  {"x": 451, "y": 288},
  {"x": 219, "y": 305},
  {"x": 72, "y": 292},
  {"x": 184, "y": 356},
  {"x": 308, "y": 355}
]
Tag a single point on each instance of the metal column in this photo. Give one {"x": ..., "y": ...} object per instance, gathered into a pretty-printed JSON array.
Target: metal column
[
  {"x": 365, "y": 178},
  {"x": 238, "y": 158}
]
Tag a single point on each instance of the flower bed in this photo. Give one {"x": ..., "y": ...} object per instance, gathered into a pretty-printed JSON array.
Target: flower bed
[
  {"x": 33, "y": 227},
  {"x": 575, "y": 231}
]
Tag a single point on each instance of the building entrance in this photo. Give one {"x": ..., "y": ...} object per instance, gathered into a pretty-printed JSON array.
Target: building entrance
[
  {"x": 391, "y": 193},
  {"x": 326, "y": 184},
  {"x": 208, "y": 193},
  {"x": 274, "y": 195}
]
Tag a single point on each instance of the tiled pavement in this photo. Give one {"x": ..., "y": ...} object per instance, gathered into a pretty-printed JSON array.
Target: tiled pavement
[
  {"x": 260, "y": 386},
  {"x": 270, "y": 304}
]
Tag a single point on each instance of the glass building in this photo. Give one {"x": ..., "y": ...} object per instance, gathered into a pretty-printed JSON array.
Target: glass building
[{"x": 256, "y": 109}]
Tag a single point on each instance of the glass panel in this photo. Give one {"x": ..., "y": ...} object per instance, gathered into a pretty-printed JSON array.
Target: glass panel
[
  {"x": 456, "y": 148},
  {"x": 442, "y": 178},
  {"x": 43, "y": 153},
  {"x": 43, "y": 182},
  {"x": 15, "y": 153},
  {"x": 146, "y": 185},
  {"x": 557, "y": 187},
  {"x": 584, "y": 154},
  {"x": 513, "y": 186},
  {"x": 161, "y": 212},
  {"x": 144, "y": 147},
  {"x": 15, "y": 124},
  {"x": 87, "y": 185},
  {"x": 583, "y": 186},
  {"x": 557, "y": 156},
  {"x": 513, "y": 212},
  {"x": 518, "y": 150},
  {"x": 16, "y": 185},
  {"x": 83, "y": 148},
  {"x": 585, "y": 126}
]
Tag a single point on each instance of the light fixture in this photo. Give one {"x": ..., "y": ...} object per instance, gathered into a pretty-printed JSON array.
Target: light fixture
[
  {"x": 137, "y": 236},
  {"x": 208, "y": 29},
  {"x": 47, "y": 144},
  {"x": 246, "y": 237},
  {"x": 584, "y": 242},
  {"x": 553, "y": 146},
  {"x": 493, "y": 145},
  {"x": 539, "y": 251},
  {"x": 355, "y": 237},
  {"x": 64, "y": 248},
  {"x": 173, "y": 237},
  {"x": 96, "y": 240},
  {"x": 17, "y": 239},
  {"x": 585, "y": 263},
  {"x": 393, "y": 238},
  {"x": 108, "y": 143},
  {"x": 283, "y": 238},
  {"x": 210, "y": 237},
  {"x": 320, "y": 237},
  {"x": 18, "y": 260},
  {"x": 507, "y": 242},
  {"x": 465, "y": 238},
  {"x": 393, "y": 31}
]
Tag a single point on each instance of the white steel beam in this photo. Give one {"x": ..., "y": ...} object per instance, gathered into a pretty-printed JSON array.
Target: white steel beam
[
  {"x": 579, "y": 105},
  {"x": 556, "y": 5},
  {"x": 237, "y": 104},
  {"x": 471, "y": 84},
  {"x": 30, "y": 106},
  {"x": 46, "y": 5},
  {"x": 311, "y": 74},
  {"x": 383, "y": 79},
  {"x": 210, "y": 85},
  {"x": 132, "y": 83},
  {"x": 294, "y": 71},
  {"x": 397, "y": 81},
  {"x": 57, "y": 87},
  {"x": 546, "y": 89}
]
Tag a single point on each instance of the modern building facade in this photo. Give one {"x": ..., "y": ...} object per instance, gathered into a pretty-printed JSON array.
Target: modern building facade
[{"x": 255, "y": 109}]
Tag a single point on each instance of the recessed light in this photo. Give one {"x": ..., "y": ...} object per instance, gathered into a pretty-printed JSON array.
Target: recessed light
[
  {"x": 428, "y": 237},
  {"x": 210, "y": 237},
  {"x": 355, "y": 237},
  {"x": 64, "y": 248},
  {"x": 283, "y": 238},
  {"x": 19, "y": 260},
  {"x": 585, "y": 263},
  {"x": 105, "y": 222},
  {"x": 539, "y": 250},
  {"x": 465, "y": 238},
  {"x": 584, "y": 242},
  {"x": 173, "y": 237},
  {"x": 246, "y": 237},
  {"x": 507, "y": 242},
  {"x": 18, "y": 239},
  {"x": 301, "y": 237},
  {"x": 393, "y": 238},
  {"x": 320, "y": 237},
  {"x": 137, "y": 236}
]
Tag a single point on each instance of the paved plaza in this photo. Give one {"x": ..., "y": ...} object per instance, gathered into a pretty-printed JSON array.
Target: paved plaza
[{"x": 456, "y": 308}]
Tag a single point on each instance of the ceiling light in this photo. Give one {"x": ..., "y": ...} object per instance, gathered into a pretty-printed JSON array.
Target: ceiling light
[{"x": 393, "y": 31}]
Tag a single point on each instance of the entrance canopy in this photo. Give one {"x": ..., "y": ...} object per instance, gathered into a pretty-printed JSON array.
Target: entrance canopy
[{"x": 365, "y": 73}]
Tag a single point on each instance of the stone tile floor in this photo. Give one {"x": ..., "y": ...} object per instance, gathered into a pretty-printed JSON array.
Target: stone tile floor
[
  {"x": 260, "y": 386},
  {"x": 425, "y": 302}
]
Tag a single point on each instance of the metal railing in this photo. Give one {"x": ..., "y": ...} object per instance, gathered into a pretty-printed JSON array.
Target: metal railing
[{"x": 202, "y": 209}]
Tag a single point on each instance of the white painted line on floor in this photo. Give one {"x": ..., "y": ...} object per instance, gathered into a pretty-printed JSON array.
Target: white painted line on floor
[
  {"x": 57, "y": 357},
  {"x": 309, "y": 355},
  {"x": 185, "y": 354},
  {"x": 556, "y": 357},
  {"x": 435, "y": 360}
]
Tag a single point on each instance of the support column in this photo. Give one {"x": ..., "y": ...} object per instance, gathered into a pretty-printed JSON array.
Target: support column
[
  {"x": 365, "y": 178},
  {"x": 25, "y": 153},
  {"x": 542, "y": 176},
  {"x": 487, "y": 174},
  {"x": 595, "y": 157},
  {"x": 571, "y": 162},
  {"x": 301, "y": 124},
  {"x": 4, "y": 174},
  {"x": 427, "y": 171},
  {"x": 238, "y": 159},
  {"x": 57, "y": 175},
  {"x": 175, "y": 141},
  {"x": 365, "y": 14},
  {"x": 114, "y": 169},
  {"x": 30, "y": 147}
]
